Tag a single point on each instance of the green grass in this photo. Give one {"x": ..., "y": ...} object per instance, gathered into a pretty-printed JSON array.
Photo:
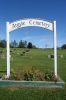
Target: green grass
[
  {"x": 32, "y": 94},
  {"x": 37, "y": 58}
]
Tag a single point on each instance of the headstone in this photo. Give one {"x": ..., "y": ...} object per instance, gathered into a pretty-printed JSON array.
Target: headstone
[
  {"x": 61, "y": 56},
  {"x": 49, "y": 56}
]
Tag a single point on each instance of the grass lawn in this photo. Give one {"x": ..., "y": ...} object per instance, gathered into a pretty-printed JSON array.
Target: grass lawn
[{"x": 37, "y": 58}]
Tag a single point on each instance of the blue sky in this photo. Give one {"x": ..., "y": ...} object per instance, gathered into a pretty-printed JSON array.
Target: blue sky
[{"x": 12, "y": 10}]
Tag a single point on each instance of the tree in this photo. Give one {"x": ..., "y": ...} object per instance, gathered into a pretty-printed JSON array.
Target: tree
[
  {"x": 3, "y": 43},
  {"x": 21, "y": 44},
  {"x": 25, "y": 44},
  {"x": 0, "y": 43},
  {"x": 29, "y": 45},
  {"x": 13, "y": 44},
  {"x": 63, "y": 46}
]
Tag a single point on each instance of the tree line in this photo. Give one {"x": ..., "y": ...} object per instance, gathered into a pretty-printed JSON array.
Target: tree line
[
  {"x": 15, "y": 44},
  {"x": 22, "y": 44}
]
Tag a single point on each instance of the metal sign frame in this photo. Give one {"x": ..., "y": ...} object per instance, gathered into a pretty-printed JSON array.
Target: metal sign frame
[{"x": 30, "y": 22}]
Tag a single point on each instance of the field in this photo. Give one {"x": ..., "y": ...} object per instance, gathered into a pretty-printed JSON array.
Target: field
[{"x": 24, "y": 59}]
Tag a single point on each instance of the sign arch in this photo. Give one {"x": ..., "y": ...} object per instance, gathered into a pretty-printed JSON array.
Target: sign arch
[{"x": 31, "y": 22}]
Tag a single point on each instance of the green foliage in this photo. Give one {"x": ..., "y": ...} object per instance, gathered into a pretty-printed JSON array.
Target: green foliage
[
  {"x": 49, "y": 76},
  {"x": 32, "y": 74},
  {"x": 28, "y": 76},
  {"x": 39, "y": 76},
  {"x": 13, "y": 44},
  {"x": 15, "y": 75},
  {"x": 21, "y": 44},
  {"x": 2, "y": 43},
  {"x": 63, "y": 46},
  {"x": 29, "y": 45}
]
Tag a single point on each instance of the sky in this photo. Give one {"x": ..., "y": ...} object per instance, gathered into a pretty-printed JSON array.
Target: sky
[{"x": 12, "y": 10}]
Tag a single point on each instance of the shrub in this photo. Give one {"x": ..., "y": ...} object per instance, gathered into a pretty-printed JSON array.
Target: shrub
[
  {"x": 13, "y": 75},
  {"x": 32, "y": 74},
  {"x": 28, "y": 76},
  {"x": 49, "y": 76},
  {"x": 39, "y": 76}
]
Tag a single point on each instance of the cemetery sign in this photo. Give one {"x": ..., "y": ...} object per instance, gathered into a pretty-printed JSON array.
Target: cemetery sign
[{"x": 30, "y": 22}]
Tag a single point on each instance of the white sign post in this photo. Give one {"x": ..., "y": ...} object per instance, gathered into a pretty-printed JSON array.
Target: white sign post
[
  {"x": 55, "y": 50},
  {"x": 8, "y": 50},
  {"x": 31, "y": 22}
]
